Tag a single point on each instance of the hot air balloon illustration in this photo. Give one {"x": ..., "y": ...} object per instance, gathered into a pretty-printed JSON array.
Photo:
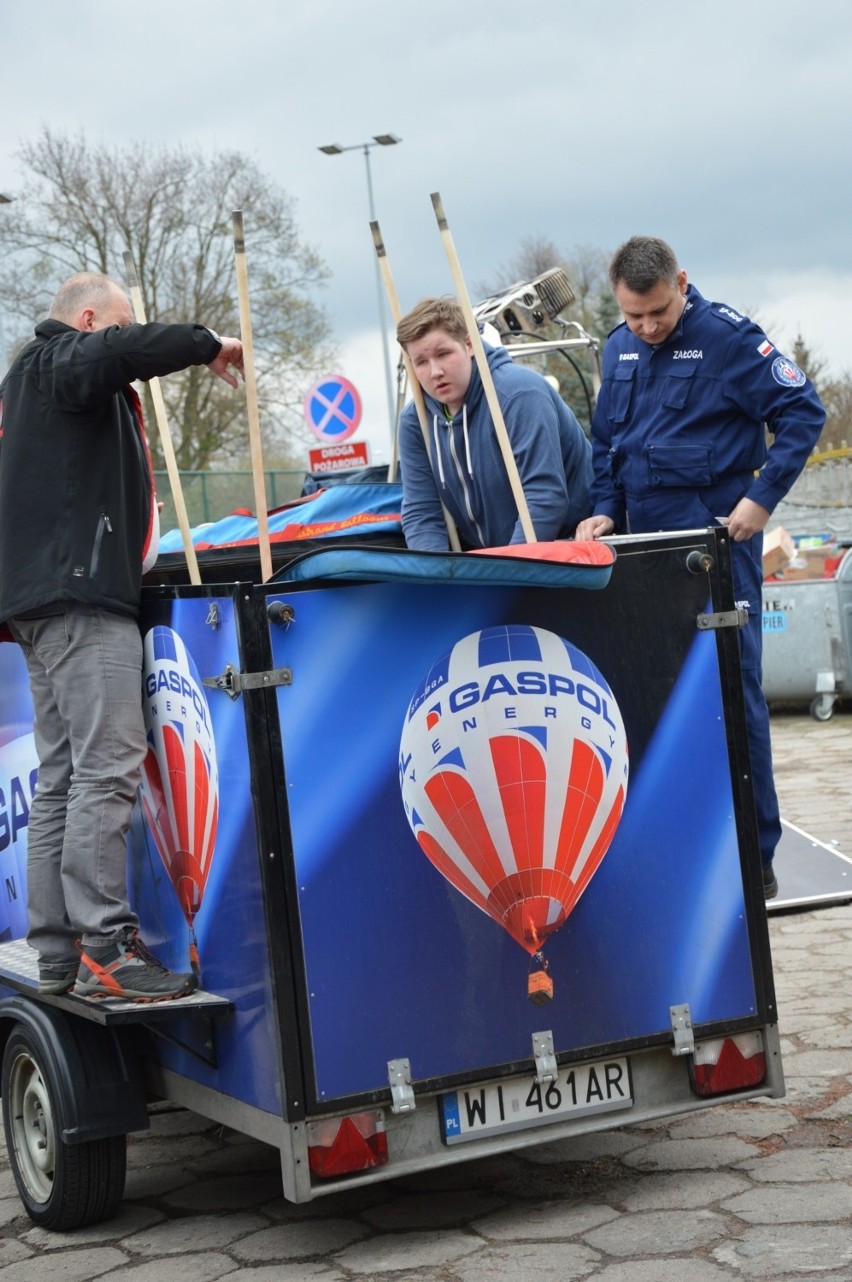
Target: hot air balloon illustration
[
  {"x": 180, "y": 776},
  {"x": 513, "y": 771}
]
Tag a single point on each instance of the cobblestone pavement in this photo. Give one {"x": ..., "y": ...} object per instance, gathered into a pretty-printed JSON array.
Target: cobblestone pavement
[{"x": 758, "y": 1190}]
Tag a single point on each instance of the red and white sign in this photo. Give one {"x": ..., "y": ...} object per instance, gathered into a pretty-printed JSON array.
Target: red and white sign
[{"x": 337, "y": 458}]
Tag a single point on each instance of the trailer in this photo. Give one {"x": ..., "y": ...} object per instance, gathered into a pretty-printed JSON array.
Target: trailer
[{"x": 464, "y": 845}]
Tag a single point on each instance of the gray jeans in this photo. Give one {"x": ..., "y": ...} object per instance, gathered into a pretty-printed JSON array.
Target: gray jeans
[{"x": 85, "y": 669}]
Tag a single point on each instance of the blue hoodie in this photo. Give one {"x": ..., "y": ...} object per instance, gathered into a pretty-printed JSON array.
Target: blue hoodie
[{"x": 467, "y": 472}]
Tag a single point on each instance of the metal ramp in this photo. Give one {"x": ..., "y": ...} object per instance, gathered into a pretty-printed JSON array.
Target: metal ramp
[{"x": 810, "y": 874}]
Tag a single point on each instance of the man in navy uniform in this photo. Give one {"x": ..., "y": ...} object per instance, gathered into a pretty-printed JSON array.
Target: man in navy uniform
[{"x": 679, "y": 442}]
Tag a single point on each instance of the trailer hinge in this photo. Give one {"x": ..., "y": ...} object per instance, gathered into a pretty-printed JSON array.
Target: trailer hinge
[
  {"x": 234, "y": 682},
  {"x": 545, "y": 1060},
  {"x": 736, "y": 618},
  {"x": 402, "y": 1093},
  {"x": 684, "y": 1041}
]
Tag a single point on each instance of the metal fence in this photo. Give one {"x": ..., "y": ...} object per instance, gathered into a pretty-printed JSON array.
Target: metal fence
[
  {"x": 211, "y": 495},
  {"x": 821, "y": 499}
]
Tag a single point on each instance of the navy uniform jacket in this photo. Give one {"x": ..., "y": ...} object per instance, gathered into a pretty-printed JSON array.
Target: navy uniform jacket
[
  {"x": 678, "y": 433},
  {"x": 679, "y": 437}
]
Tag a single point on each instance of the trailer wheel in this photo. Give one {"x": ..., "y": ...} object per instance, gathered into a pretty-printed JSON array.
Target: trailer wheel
[
  {"x": 822, "y": 707},
  {"x": 62, "y": 1186}
]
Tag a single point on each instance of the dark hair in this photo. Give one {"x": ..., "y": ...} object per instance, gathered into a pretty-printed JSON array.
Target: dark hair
[{"x": 641, "y": 263}]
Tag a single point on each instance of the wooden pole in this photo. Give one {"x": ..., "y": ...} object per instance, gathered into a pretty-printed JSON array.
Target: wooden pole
[
  {"x": 163, "y": 426},
  {"x": 251, "y": 399},
  {"x": 484, "y": 372},
  {"x": 416, "y": 389}
]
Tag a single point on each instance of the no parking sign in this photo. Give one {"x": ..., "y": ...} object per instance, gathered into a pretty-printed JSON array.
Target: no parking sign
[{"x": 333, "y": 409}]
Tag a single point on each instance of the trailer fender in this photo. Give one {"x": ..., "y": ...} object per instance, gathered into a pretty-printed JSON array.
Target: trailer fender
[{"x": 99, "y": 1090}]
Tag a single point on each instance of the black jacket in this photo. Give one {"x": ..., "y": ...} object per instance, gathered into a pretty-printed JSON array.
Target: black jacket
[{"x": 76, "y": 486}]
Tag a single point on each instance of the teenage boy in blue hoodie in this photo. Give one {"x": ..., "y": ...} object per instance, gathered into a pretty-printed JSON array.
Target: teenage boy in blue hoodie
[{"x": 466, "y": 471}]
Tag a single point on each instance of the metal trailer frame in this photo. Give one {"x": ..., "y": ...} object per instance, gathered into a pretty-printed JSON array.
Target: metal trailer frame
[{"x": 192, "y": 1052}]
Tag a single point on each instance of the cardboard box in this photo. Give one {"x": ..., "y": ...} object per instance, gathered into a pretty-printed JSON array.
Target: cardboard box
[
  {"x": 813, "y": 563},
  {"x": 778, "y": 550}
]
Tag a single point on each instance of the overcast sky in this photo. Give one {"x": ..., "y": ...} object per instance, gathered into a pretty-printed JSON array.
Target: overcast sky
[{"x": 723, "y": 127}]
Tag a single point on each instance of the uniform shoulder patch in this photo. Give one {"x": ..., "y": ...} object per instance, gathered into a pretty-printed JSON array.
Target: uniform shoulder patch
[
  {"x": 728, "y": 314},
  {"x": 786, "y": 373}
]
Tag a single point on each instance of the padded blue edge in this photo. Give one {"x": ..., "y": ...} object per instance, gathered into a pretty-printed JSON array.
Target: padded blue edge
[{"x": 402, "y": 565}]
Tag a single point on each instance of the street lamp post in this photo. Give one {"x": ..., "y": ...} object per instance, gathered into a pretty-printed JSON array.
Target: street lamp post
[
  {"x": 4, "y": 200},
  {"x": 334, "y": 149}
]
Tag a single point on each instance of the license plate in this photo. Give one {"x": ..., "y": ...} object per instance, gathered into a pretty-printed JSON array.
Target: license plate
[{"x": 519, "y": 1103}]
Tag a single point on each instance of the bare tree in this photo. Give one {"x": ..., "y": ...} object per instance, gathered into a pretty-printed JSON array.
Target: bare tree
[
  {"x": 82, "y": 206},
  {"x": 836, "y": 396},
  {"x": 593, "y": 308},
  {"x": 807, "y": 361}
]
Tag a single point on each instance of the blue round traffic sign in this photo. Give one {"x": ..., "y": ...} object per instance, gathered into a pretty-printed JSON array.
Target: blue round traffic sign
[{"x": 333, "y": 409}]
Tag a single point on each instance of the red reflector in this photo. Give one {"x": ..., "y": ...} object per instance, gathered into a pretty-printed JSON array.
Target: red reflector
[
  {"x": 728, "y": 1064},
  {"x": 341, "y": 1145}
]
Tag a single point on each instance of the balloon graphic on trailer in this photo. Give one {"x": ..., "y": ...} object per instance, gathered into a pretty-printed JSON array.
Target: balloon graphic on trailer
[
  {"x": 180, "y": 774},
  {"x": 513, "y": 771}
]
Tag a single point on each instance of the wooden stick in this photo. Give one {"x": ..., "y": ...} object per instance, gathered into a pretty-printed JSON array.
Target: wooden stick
[
  {"x": 398, "y": 407},
  {"x": 251, "y": 399},
  {"x": 484, "y": 372},
  {"x": 416, "y": 389},
  {"x": 163, "y": 426}
]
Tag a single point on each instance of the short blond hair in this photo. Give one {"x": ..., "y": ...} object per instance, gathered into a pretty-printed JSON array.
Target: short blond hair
[
  {"x": 432, "y": 313},
  {"x": 92, "y": 289}
]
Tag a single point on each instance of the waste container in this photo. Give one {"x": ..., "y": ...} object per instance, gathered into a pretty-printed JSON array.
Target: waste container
[{"x": 807, "y": 639}]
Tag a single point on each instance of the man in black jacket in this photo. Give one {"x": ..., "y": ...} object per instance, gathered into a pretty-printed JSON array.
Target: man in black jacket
[{"x": 78, "y": 522}]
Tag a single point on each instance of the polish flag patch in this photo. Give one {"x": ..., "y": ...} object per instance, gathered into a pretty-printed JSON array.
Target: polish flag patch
[{"x": 765, "y": 347}]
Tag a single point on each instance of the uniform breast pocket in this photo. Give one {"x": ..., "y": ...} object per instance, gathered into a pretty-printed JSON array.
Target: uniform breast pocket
[
  {"x": 677, "y": 384},
  {"x": 689, "y": 466},
  {"x": 620, "y": 393}
]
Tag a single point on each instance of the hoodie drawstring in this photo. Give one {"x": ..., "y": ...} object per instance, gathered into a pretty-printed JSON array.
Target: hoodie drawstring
[
  {"x": 466, "y": 442},
  {"x": 438, "y": 449}
]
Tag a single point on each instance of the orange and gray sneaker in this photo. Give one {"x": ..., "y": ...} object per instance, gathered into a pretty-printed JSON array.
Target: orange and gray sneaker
[
  {"x": 57, "y": 976},
  {"x": 123, "y": 967}
]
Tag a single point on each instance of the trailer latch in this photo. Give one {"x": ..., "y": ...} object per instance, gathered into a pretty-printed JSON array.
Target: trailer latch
[
  {"x": 545, "y": 1059},
  {"x": 684, "y": 1041},
  {"x": 233, "y": 682},
  {"x": 402, "y": 1093},
  {"x": 736, "y": 618}
]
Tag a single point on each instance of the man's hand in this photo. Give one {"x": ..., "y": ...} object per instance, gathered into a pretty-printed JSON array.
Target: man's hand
[
  {"x": 230, "y": 353},
  {"x": 594, "y": 527},
  {"x": 747, "y": 518}
]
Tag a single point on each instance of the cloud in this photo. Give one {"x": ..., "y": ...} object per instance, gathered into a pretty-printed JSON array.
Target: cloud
[{"x": 722, "y": 129}]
